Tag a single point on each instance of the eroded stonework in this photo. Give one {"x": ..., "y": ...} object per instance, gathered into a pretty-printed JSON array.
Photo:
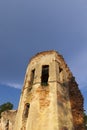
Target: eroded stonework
[
  {"x": 50, "y": 98},
  {"x": 7, "y": 120}
]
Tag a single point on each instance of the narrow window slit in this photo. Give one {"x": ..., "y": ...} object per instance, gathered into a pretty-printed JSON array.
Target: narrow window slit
[
  {"x": 32, "y": 76},
  {"x": 26, "y": 110},
  {"x": 7, "y": 125},
  {"x": 60, "y": 69},
  {"x": 45, "y": 75}
]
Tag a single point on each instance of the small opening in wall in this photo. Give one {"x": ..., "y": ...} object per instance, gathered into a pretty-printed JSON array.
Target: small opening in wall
[
  {"x": 60, "y": 69},
  {"x": 26, "y": 110},
  {"x": 45, "y": 75},
  {"x": 32, "y": 76}
]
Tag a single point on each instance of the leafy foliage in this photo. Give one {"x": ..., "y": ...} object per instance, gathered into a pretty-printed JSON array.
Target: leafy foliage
[{"x": 5, "y": 106}]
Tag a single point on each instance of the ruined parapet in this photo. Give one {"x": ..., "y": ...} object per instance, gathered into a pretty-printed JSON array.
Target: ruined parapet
[
  {"x": 8, "y": 119},
  {"x": 48, "y": 99}
]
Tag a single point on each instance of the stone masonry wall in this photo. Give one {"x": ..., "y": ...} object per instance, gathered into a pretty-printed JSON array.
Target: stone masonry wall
[
  {"x": 76, "y": 100},
  {"x": 58, "y": 106},
  {"x": 7, "y": 120}
]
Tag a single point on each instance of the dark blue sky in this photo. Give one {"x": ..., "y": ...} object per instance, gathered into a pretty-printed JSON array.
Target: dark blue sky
[
  {"x": 30, "y": 26},
  {"x": 9, "y": 94}
]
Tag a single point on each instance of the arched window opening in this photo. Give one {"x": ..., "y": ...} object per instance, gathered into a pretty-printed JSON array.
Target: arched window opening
[
  {"x": 26, "y": 110},
  {"x": 45, "y": 75}
]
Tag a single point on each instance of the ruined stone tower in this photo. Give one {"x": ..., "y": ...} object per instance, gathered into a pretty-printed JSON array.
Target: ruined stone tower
[{"x": 50, "y": 98}]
